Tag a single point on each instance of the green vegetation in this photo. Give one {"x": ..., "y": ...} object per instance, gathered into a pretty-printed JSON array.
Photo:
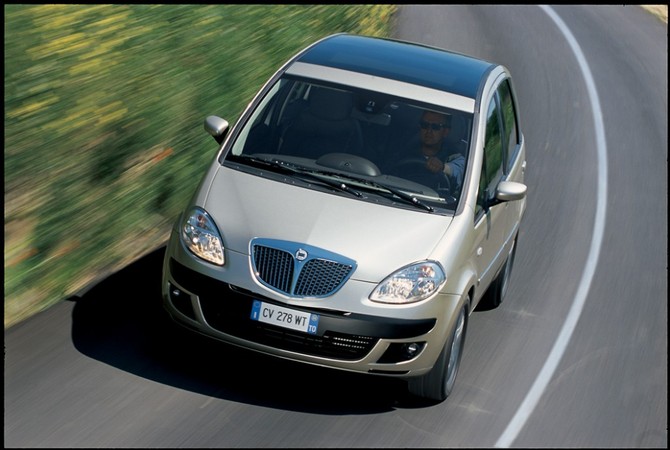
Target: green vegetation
[{"x": 104, "y": 106}]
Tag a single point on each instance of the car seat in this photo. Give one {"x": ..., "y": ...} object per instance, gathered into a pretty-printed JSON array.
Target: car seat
[{"x": 326, "y": 126}]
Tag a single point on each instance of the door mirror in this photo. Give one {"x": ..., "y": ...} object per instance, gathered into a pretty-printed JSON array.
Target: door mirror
[
  {"x": 508, "y": 191},
  {"x": 217, "y": 127}
]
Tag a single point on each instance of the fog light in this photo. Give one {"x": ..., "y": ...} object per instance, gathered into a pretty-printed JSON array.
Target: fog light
[
  {"x": 412, "y": 349},
  {"x": 181, "y": 300},
  {"x": 399, "y": 352}
]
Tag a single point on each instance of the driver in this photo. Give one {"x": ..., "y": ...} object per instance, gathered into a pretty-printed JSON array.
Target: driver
[{"x": 434, "y": 128}]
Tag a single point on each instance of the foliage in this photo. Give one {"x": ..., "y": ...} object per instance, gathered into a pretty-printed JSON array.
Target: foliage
[{"x": 103, "y": 123}]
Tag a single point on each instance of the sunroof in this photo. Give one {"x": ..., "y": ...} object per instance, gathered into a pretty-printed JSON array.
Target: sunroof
[{"x": 412, "y": 63}]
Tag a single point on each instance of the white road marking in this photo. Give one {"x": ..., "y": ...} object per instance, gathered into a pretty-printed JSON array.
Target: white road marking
[{"x": 532, "y": 398}]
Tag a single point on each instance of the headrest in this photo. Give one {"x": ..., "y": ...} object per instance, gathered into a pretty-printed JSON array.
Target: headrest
[{"x": 330, "y": 104}]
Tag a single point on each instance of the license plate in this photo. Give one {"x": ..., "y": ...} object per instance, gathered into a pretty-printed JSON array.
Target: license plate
[{"x": 284, "y": 317}]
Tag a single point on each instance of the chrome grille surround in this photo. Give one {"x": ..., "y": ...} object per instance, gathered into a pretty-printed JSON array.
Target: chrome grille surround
[{"x": 299, "y": 270}]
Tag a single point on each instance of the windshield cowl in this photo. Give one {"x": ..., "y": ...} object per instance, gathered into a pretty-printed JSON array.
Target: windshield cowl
[{"x": 381, "y": 189}]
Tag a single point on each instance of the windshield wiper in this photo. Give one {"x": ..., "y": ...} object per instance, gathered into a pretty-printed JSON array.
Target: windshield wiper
[
  {"x": 408, "y": 198},
  {"x": 401, "y": 195},
  {"x": 295, "y": 171},
  {"x": 321, "y": 176}
]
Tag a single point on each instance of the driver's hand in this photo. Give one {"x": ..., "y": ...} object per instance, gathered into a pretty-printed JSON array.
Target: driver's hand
[{"x": 434, "y": 164}]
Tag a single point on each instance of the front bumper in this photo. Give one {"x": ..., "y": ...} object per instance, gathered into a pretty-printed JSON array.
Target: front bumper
[{"x": 353, "y": 341}]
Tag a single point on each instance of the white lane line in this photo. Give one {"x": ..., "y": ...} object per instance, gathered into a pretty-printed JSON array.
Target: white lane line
[{"x": 532, "y": 398}]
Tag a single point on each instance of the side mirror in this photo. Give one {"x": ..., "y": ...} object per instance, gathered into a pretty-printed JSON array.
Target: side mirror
[
  {"x": 217, "y": 127},
  {"x": 508, "y": 191}
]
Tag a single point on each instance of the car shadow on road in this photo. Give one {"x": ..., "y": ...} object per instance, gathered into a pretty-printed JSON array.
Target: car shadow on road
[{"x": 120, "y": 321}]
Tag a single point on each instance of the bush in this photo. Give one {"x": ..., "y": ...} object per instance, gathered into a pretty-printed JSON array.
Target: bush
[{"x": 103, "y": 123}]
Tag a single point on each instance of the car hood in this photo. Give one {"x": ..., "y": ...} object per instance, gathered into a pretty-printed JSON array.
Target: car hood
[{"x": 380, "y": 238}]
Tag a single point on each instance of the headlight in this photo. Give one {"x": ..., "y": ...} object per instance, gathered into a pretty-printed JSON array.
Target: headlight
[
  {"x": 200, "y": 235},
  {"x": 410, "y": 284}
]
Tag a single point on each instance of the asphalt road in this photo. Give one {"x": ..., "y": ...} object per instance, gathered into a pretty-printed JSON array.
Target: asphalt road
[{"x": 575, "y": 357}]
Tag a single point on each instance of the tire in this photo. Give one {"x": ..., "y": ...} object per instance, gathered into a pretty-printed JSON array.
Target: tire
[
  {"x": 498, "y": 289},
  {"x": 436, "y": 385}
]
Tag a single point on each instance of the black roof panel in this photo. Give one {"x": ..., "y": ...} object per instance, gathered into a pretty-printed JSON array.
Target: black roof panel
[{"x": 411, "y": 63}]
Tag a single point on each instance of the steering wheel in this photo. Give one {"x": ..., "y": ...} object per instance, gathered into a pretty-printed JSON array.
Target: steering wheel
[{"x": 415, "y": 169}]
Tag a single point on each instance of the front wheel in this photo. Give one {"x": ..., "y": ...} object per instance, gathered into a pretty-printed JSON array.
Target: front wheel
[{"x": 437, "y": 384}]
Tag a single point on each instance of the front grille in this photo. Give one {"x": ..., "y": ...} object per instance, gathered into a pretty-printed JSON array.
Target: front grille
[
  {"x": 299, "y": 270},
  {"x": 320, "y": 277},
  {"x": 274, "y": 267}
]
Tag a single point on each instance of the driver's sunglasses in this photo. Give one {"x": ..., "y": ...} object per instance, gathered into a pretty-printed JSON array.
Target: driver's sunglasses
[{"x": 433, "y": 126}]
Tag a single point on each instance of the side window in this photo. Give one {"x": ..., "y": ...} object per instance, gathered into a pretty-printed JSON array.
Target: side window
[
  {"x": 492, "y": 167},
  {"x": 510, "y": 126}
]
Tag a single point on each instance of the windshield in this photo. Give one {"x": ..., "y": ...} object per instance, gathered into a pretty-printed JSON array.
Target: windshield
[{"x": 368, "y": 139}]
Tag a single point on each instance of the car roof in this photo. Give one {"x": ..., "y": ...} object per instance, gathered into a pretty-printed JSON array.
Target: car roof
[{"x": 402, "y": 61}]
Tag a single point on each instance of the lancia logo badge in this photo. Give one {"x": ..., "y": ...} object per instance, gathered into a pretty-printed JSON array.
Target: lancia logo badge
[{"x": 301, "y": 254}]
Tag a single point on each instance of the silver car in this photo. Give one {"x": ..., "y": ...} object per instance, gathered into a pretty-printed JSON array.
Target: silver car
[{"x": 365, "y": 203}]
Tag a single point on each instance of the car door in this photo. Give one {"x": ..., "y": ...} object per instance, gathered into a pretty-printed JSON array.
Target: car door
[
  {"x": 514, "y": 151},
  {"x": 490, "y": 222}
]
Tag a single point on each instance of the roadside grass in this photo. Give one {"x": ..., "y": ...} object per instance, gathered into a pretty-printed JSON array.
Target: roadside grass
[{"x": 104, "y": 106}]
